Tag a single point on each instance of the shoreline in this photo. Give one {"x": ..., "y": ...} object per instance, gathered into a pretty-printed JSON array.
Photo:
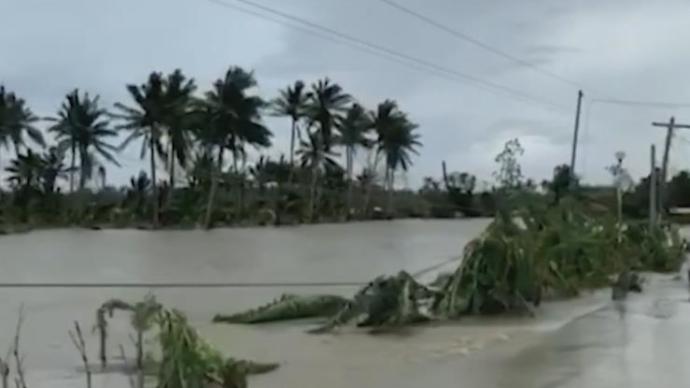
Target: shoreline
[{"x": 16, "y": 229}]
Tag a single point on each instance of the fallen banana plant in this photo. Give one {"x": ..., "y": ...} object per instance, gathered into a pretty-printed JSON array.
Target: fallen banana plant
[
  {"x": 287, "y": 307},
  {"x": 522, "y": 257},
  {"x": 186, "y": 360}
]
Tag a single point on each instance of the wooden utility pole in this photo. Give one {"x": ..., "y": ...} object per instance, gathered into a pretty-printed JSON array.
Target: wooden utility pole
[
  {"x": 671, "y": 126},
  {"x": 573, "y": 154},
  {"x": 652, "y": 190}
]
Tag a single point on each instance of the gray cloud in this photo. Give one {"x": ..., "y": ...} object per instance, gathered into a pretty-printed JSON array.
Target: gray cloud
[{"x": 631, "y": 51}]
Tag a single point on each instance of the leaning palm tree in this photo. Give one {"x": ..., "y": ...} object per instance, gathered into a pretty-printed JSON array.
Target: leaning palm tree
[
  {"x": 177, "y": 119},
  {"x": 353, "y": 134},
  {"x": 396, "y": 142},
  {"x": 232, "y": 120},
  {"x": 315, "y": 158},
  {"x": 325, "y": 108},
  {"x": 291, "y": 103},
  {"x": 16, "y": 120},
  {"x": 82, "y": 127},
  {"x": 146, "y": 121}
]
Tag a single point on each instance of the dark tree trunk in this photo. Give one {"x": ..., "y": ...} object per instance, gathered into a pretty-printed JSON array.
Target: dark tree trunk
[
  {"x": 312, "y": 192},
  {"x": 292, "y": 150},
  {"x": 154, "y": 182},
  {"x": 82, "y": 169},
  {"x": 215, "y": 176},
  {"x": 73, "y": 166},
  {"x": 391, "y": 183},
  {"x": 172, "y": 169},
  {"x": 348, "y": 156}
]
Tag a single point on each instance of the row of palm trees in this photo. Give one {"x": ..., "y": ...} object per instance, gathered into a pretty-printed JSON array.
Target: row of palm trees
[{"x": 173, "y": 124}]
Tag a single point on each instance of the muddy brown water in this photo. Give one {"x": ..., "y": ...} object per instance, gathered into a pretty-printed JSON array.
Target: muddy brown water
[{"x": 582, "y": 342}]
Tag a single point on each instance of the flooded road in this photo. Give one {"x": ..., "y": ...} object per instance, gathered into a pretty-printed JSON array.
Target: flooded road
[{"x": 588, "y": 341}]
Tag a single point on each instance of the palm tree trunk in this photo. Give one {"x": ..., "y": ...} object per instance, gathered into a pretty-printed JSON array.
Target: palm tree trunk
[
  {"x": 312, "y": 192},
  {"x": 370, "y": 184},
  {"x": 292, "y": 150},
  {"x": 348, "y": 156},
  {"x": 391, "y": 183},
  {"x": 237, "y": 186},
  {"x": 215, "y": 176},
  {"x": 172, "y": 167},
  {"x": 82, "y": 175},
  {"x": 154, "y": 182},
  {"x": 73, "y": 166},
  {"x": 171, "y": 178}
]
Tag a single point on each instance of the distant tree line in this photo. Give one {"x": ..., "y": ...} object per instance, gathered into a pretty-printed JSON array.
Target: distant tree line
[{"x": 204, "y": 138}]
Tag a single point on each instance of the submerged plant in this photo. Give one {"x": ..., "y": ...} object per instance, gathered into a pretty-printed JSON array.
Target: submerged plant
[
  {"x": 523, "y": 256},
  {"x": 288, "y": 307},
  {"x": 186, "y": 360}
]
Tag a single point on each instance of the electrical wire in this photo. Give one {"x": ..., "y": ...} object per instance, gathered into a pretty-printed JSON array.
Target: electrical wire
[
  {"x": 417, "y": 63},
  {"x": 651, "y": 104},
  {"x": 152, "y": 285},
  {"x": 478, "y": 43}
]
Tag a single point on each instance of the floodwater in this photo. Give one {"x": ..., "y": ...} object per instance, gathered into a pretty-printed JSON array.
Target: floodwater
[{"x": 588, "y": 341}]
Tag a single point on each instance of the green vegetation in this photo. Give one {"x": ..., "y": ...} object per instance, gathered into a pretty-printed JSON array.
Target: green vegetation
[
  {"x": 288, "y": 307},
  {"x": 185, "y": 359},
  {"x": 202, "y": 141},
  {"x": 526, "y": 254}
]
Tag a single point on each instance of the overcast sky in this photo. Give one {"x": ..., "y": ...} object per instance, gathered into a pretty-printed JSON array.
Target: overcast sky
[{"x": 632, "y": 50}]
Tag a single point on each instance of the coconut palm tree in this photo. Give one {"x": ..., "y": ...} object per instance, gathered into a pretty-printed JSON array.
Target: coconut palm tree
[
  {"x": 314, "y": 157},
  {"x": 147, "y": 121},
  {"x": 353, "y": 134},
  {"x": 396, "y": 141},
  {"x": 54, "y": 168},
  {"x": 326, "y": 105},
  {"x": 136, "y": 192},
  {"x": 292, "y": 103},
  {"x": 16, "y": 120},
  {"x": 25, "y": 171},
  {"x": 232, "y": 119},
  {"x": 177, "y": 119},
  {"x": 82, "y": 127}
]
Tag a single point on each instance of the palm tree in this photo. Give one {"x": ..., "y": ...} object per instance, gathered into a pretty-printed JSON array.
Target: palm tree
[
  {"x": 81, "y": 126},
  {"x": 16, "y": 120},
  {"x": 396, "y": 141},
  {"x": 292, "y": 103},
  {"x": 325, "y": 107},
  {"x": 139, "y": 186},
  {"x": 147, "y": 121},
  {"x": 54, "y": 168},
  {"x": 353, "y": 134},
  {"x": 178, "y": 104},
  {"x": 232, "y": 119},
  {"x": 315, "y": 157},
  {"x": 25, "y": 171}
]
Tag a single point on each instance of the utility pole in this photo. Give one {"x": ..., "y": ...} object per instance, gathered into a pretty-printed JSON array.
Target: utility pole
[
  {"x": 652, "y": 190},
  {"x": 671, "y": 126},
  {"x": 573, "y": 155}
]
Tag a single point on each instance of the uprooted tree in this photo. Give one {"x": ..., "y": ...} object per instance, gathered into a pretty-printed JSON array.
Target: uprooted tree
[{"x": 523, "y": 256}]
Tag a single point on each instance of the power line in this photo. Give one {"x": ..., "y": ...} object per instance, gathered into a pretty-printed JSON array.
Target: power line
[
  {"x": 651, "y": 104},
  {"x": 478, "y": 43},
  {"x": 152, "y": 285},
  {"x": 378, "y": 50},
  {"x": 180, "y": 285}
]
